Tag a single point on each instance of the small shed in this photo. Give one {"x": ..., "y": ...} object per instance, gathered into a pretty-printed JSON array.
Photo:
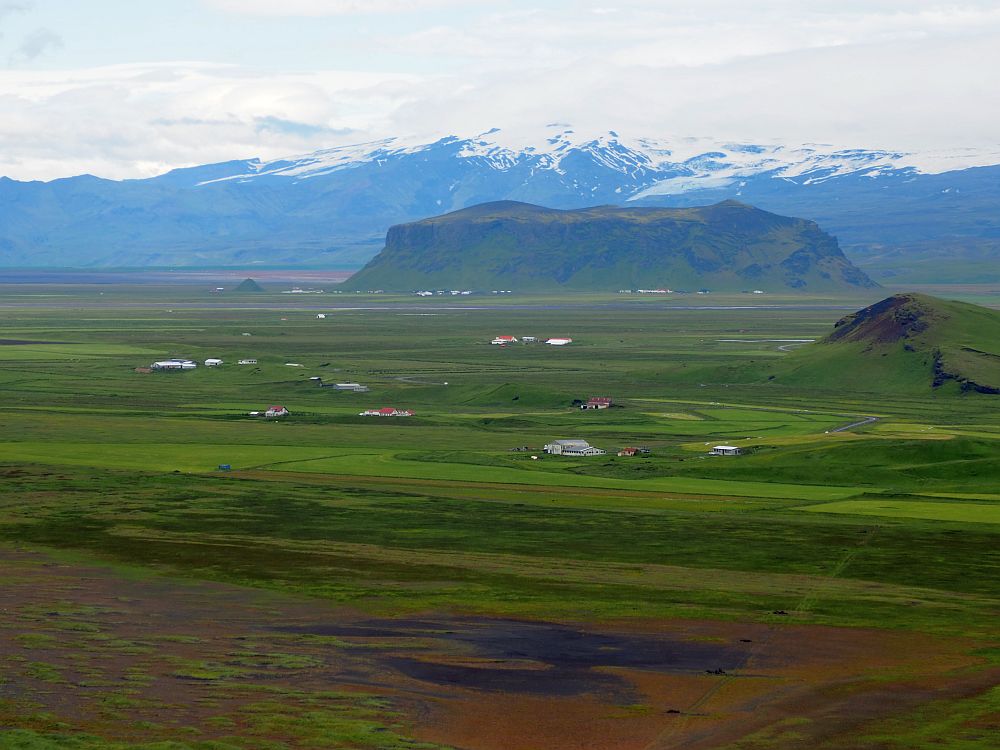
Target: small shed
[{"x": 212, "y": 362}]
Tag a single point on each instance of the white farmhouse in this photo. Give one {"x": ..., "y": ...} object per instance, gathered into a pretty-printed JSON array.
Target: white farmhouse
[{"x": 572, "y": 448}]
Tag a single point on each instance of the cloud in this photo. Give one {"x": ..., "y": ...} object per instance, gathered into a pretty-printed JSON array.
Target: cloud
[
  {"x": 325, "y": 7},
  {"x": 36, "y": 44},
  {"x": 856, "y": 73},
  {"x": 141, "y": 120}
]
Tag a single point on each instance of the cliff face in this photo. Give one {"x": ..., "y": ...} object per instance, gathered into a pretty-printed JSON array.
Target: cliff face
[{"x": 727, "y": 246}]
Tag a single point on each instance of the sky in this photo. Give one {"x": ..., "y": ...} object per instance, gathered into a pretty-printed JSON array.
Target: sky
[{"x": 125, "y": 89}]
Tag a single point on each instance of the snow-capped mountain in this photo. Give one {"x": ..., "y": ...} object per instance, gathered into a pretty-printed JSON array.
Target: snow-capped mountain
[
  {"x": 335, "y": 205},
  {"x": 682, "y": 163}
]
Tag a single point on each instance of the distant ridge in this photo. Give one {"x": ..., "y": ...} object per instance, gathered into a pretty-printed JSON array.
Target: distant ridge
[
  {"x": 511, "y": 245},
  {"x": 904, "y": 343}
]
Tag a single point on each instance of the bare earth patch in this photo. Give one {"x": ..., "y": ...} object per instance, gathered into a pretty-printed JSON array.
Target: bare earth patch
[{"x": 94, "y": 649}]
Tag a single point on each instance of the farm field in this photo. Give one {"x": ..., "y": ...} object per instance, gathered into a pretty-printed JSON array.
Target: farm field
[{"x": 437, "y": 581}]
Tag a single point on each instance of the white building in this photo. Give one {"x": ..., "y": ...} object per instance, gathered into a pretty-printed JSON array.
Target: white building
[
  {"x": 352, "y": 387},
  {"x": 572, "y": 448},
  {"x": 174, "y": 364},
  {"x": 320, "y": 316},
  {"x": 726, "y": 450},
  {"x": 559, "y": 342},
  {"x": 247, "y": 362},
  {"x": 504, "y": 340},
  {"x": 212, "y": 362}
]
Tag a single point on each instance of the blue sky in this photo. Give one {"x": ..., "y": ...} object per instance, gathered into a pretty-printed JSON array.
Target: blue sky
[{"x": 127, "y": 89}]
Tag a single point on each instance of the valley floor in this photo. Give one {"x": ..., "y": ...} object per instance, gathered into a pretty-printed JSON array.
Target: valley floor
[{"x": 416, "y": 583}]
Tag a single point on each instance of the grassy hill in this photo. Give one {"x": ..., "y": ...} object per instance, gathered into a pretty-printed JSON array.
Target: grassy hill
[
  {"x": 509, "y": 245},
  {"x": 905, "y": 343}
]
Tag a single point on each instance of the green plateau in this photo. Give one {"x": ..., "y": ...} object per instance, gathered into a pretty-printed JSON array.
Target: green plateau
[{"x": 508, "y": 245}]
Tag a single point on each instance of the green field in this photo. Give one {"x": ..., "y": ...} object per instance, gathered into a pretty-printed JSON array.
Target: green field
[{"x": 891, "y": 528}]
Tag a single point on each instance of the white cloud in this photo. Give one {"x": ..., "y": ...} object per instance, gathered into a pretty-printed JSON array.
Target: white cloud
[
  {"x": 865, "y": 73},
  {"x": 325, "y": 7},
  {"x": 140, "y": 120}
]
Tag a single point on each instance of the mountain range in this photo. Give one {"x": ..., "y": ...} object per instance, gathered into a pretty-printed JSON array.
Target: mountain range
[
  {"x": 901, "y": 216},
  {"x": 728, "y": 246}
]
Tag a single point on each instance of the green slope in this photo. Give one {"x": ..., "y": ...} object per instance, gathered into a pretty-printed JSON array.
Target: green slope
[
  {"x": 507, "y": 245},
  {"x": 905, "y": 343}
]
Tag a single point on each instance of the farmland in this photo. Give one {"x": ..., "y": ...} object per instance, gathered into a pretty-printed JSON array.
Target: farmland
[{"x": 368, "y": 582}]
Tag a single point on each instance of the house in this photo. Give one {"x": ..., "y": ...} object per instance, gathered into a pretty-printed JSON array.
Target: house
[
  {"x": 276, "y": 411},
  {"x": 628, "y": 452},
  {"x": 386, "y": 412},
  {"x": 572, "y": 448},
  {"x": 559, "y": 342},
  {"x": 247, "y": 362},
  {"x": 726, "y": 450},
  {"x": 597, "y": 402},
  {"x": 174, "y": 364},
  {"x": 212, "y": 362},
  {"x": 352, "y": 387},
  {"x": 504, "y": 340},
  {"x": 320, "y": 316},
  {"x": 529, "y": 339}
]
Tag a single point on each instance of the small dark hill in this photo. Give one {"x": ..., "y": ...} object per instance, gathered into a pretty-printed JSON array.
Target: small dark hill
[
  {"x": 510, "y": 245},
  {"x": 249, "y": 285},
  {"x": 905, "y": 343}
]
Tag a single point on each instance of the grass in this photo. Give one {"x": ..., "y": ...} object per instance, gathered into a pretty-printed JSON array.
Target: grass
[
  {"x": 100, "y": 465},
  {"x": 936, "y": 511}
]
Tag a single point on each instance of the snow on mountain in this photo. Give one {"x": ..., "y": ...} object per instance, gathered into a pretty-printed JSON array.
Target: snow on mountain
[{"x": 652, "y": 166}]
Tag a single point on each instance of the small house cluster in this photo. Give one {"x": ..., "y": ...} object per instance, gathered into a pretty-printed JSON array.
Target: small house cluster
[
  {"x": 386, "y": 412},
  {"x": 271, "y": 412},
  {"x": 505, "y": 340}
]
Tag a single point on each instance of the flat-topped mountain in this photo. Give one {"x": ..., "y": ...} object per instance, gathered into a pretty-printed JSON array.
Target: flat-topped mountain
[
  {"x": 511, "y": 245},
  {"x": 905, "y": 343}
]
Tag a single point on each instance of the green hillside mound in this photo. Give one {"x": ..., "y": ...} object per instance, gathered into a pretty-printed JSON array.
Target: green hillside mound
[
  {"x": 508, "y": 245},
  {"x": 907, "y": 342},
  {"x": 249, "y": 285}
]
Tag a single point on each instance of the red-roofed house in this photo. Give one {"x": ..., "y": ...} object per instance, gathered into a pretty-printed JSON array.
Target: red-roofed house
[
  {"x": 276, "y": 411},
  {"x": 597, "y": 402},
  {"x": 504, "y": 340}
]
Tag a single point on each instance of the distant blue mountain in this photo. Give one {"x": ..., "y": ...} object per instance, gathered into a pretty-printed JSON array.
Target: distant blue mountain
[{"x": 904, "y": 216}]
